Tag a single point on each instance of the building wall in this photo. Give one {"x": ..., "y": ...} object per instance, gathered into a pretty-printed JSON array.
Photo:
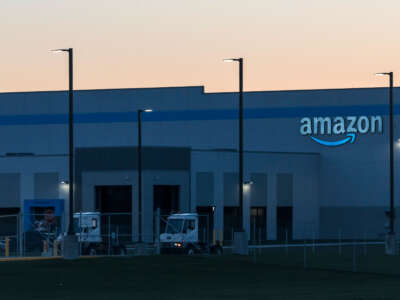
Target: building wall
[
  {"x": 33, "y": 177},
  {"x": 267, "y": 167},
  {"x": 350, "y": 177},
  {"x": 129, "y": 177}
]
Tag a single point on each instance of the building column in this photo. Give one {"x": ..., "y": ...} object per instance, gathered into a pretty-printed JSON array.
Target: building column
[
  {"x": 271, "y": 207},
  {"x": 148, "y": 213},
  {"x": 219, "y": 202},
  {"x": 27, "y": 189},
  {"x": 135, "y": 213}
]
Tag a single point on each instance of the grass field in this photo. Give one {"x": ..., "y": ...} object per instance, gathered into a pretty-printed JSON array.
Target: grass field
[
  {"x": 364, "y": 259},
  {"x": 182, "y": 277}
]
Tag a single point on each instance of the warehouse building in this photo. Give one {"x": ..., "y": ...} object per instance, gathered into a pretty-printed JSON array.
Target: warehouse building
[{"x": 317, "y": 160}]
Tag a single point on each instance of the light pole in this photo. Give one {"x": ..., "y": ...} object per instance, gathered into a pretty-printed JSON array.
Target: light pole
[
  {"x": 70, "y": 242},
  {"x": 240, "y": 61},
  {"x": 390, "y": 241},
  {"x": 139, "y": 149},
  {"x": 242, "y": 244}
]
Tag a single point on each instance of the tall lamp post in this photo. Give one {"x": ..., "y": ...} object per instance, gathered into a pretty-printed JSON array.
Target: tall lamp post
[
  {"x": 390, "y": 239},
  {"x": 241, "y": 182},
  {"x": 139, "y": 149},
  {"x": 71, "y": 249}
]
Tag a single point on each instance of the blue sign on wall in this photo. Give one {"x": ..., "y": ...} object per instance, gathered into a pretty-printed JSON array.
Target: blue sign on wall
[{"x": 43, "y": 215}]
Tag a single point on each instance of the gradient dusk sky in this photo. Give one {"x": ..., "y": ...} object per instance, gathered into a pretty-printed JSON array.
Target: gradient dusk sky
[{"x": 287, "y": 44}]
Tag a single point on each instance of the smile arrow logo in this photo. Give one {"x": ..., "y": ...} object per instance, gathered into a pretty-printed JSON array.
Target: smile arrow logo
[{"x": 350, "y": 138}]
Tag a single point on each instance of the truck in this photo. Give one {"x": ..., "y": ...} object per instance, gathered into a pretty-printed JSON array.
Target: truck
[
  {"x": 87, "y": 228},
  {"x": 188, "y": 233}
]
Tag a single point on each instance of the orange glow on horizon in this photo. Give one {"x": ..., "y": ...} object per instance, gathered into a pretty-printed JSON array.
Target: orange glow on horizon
[{"x": 308, "y": 44}]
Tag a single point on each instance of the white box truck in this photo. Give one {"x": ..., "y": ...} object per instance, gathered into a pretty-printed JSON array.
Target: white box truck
[
  {"x": 188, "y": 233},
  {"x": 92, "y": 242}
]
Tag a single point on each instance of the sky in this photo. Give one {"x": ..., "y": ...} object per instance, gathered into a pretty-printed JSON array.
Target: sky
[{"x": 286, "y": 44}]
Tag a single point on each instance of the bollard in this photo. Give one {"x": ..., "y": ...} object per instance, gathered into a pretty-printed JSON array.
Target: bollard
[
  {"x": 305, "y": 255},
  {"x": 254, "y": 230},
  {"x": 45, "y": 248},
  {"x": 109, "y": 236},
  {"x": 7, "y": 250},
  {"x": 365, "y": 244},
  {"x": 55, "y": 248},
  {"x": 354, "y": 257},
  {"x": 158, "y": 250},
  {"x": 214, "y": 237},
  {"x": 220, "y": 237},
  {"x": 255, "y": 249},
  {"x": 313, "y": 246},
  {"x": 340, "y": 242},
  {"x": 286, "y": 242}
]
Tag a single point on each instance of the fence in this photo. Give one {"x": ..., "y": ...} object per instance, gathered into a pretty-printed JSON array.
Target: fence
[
  {"x": 100, "y": 234},
  {"x": 116, "y": 234},
  {"x": 9, "y": 233},
  {"x": 352, "y": 255}
]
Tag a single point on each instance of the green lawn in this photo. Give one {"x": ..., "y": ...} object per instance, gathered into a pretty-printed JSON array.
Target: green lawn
[
  {"x": 364, "y": 259},
  {"x": 182, "y": 277}
]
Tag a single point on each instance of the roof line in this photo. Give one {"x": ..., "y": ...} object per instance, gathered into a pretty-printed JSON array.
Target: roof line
[
  {"x": 196, "y": 87},
  {"x": 305, "y": 90},
  {"x": 110, "y": 89},
  {"x": 253, "y": 151}
]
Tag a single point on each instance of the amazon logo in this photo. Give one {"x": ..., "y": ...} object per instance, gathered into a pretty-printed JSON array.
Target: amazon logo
[{"x": 344, "y": 128}]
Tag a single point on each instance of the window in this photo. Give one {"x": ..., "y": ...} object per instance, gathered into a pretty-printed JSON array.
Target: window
[
  {"x": 189, "y": 226},
  {"x": 174, "y": 226}
]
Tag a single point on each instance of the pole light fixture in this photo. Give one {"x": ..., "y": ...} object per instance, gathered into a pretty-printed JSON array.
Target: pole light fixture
[
  {"x": 240, "y": 61},
  {"x": 70, "y": 244},
  {"x": 139, "y": 162},
  {"x": 231, "y": 59},
  {"x": 71, "y": 136},
  {"x": 390, "y": 237},
  {"x": 60, "y": 50}
]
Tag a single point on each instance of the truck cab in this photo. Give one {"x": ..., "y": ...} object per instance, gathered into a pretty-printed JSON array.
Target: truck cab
[
  {"x": 185, "y": 234},
  {"x": 87, "y": 227}
]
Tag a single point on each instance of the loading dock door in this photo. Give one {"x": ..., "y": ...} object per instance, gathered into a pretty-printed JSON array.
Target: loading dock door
[
  {"x": 231, "y": 221},
  {"x": 166, "y": 198},
  {"x": 206, "y": 216},
  {"x": 115, "y": 204},
  {"x": 258, "y": 224},
  {"x": 285, "y": 222}
]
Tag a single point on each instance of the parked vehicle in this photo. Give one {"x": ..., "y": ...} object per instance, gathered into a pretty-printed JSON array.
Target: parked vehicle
[
  {"x": 92, "y": 242},
  {"x": 186, "y": 233}
]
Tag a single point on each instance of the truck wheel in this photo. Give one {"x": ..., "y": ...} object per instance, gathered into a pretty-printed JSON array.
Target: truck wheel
[
  {"x": 217, "y": 250},
  {"x": 120, "y": 250},
  {"x": 92, "y": 251},
  {"x": 190, "y": 250}
]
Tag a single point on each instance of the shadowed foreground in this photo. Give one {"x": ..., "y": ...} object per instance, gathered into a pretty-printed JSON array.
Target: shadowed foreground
[{"x": 174, "y": 277}]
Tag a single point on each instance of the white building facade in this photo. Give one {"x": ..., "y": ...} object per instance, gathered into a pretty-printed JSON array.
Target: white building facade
[{"x": 318, "y": 160}]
